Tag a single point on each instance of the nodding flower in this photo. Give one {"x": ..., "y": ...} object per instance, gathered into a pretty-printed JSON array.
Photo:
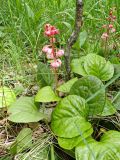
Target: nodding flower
[
  {"x": 104, "y": 36},
  {"x": 113, "y": 30},
  {"x": 60, "y": 53},
  {"x": 47, "y": 49},
  {"x": 56, "y": 63}
]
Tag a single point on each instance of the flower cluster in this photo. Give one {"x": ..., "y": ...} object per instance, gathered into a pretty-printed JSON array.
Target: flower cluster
[
  {"x": 109, "y": 28},
  {"x": 51, "y": 51}
]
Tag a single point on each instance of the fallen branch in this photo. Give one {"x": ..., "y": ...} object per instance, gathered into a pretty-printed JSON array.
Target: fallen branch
[{"x": 74, "y": 36}]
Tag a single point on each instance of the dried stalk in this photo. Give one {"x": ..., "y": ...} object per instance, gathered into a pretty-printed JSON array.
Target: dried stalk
[{"x": 74, "y": 36}]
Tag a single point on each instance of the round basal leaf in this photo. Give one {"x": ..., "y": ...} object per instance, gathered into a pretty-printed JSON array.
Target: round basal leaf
[
  {"x": 24, "y": 110},
  {"x": 116, "y": 69},
  {"x": 7, "y": 97},
  {"x": 97, "y": 66},
  {"x": 107, "y": 149},
  {"x": 46, "y": 94},
  {"x": 116, "y": 101},
  {"x": 109, "y": 109},
  {"x": 22, "y": 142},
  {"x": 87, "y": 87},
  {"x": 68, "y": 118},
  {"x": 70, "y": 143},
  {"x": 77, "y": 66},
  {"x": 66, "y": 86}
]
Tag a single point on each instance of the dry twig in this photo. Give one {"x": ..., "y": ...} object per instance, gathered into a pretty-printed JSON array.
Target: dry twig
[{"x": 74, "y": 36}]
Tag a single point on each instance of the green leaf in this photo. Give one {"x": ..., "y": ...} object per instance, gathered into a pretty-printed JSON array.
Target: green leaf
[
  {"x": 70, "y": 143},
  {"x": 66, "y": 86},
  {"x": 82, "y": 38},
  {"x": 77, "y": 66},
  {"x": 24, "y": 110},
  {"x": 86, "y": 87},
  {"x": 107, "y": 149},
  {"x": 116, "y": 101},
  {"x": 99, "y": 67},
  {"x": 109, "y": 109},
  {"x": 7, "y": 97},
  {"x": 23, "y": 141},
  {"x": 68, "y": 25},
  {"x": 116, "y": 69},
  {"x": 29, "y": 11},
  {"x": 46, "y": 94},
  {"x": 68, "y": 115},
  {"x": 45, "y": 75}
]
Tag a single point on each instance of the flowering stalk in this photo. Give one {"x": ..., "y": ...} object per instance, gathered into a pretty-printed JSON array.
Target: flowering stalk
[
  {"x": 51, "y": 51},
  {"x": 109, "y": 29}
]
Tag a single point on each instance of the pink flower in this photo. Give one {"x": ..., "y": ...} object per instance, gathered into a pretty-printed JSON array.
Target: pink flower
[
  {"x": 47, "y": 49},
  {"x": 114, "y": 17},
  {"x": 104, "y": 36},
  {"x": 110, "y": 26},
  {"x": 56, "y": 63},
  {"x": 48, "y": 33},
  {"x": 50, "y": 30},
  {"x": 60, "y": 53},
  {"x": 113, "y": 30}
]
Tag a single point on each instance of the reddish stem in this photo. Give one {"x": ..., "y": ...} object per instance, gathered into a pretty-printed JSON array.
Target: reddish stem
[{"x": 55, "y": 70}]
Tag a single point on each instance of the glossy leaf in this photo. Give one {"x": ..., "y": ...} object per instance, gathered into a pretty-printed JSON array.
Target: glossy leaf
[
  {"x": 109, "y": 109},
  {"x": 107, "y": 149},
  {"x": 44, "y": 75},
  {"x": 46, "y": 94},
  {"x": 87, "y": 87},
  {"x": 7, "y": 97},
  {"x": 70, "y": 143},
  {"x": 77, "y": 66},
  {"x": 70, "y": 114},
  {"x": 24, "y": 110},
  {"x": 23, "y": 141},
  {"x": 97, "y": 66},
  {"x": 117, "y": 101},
  {"x": 66, "y": 86}
]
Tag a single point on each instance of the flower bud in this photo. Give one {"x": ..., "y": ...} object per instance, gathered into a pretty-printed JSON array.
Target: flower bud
[
  {"x": 110, "y": 26},
  {"x": 114, "y": 17},
  {"x": 50, "y": 30}
]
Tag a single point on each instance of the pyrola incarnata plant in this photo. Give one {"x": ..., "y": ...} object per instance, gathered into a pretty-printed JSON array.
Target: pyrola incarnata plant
[
  {"x": 51, "y": 51},
  {"x": 109, "y": 28}
]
